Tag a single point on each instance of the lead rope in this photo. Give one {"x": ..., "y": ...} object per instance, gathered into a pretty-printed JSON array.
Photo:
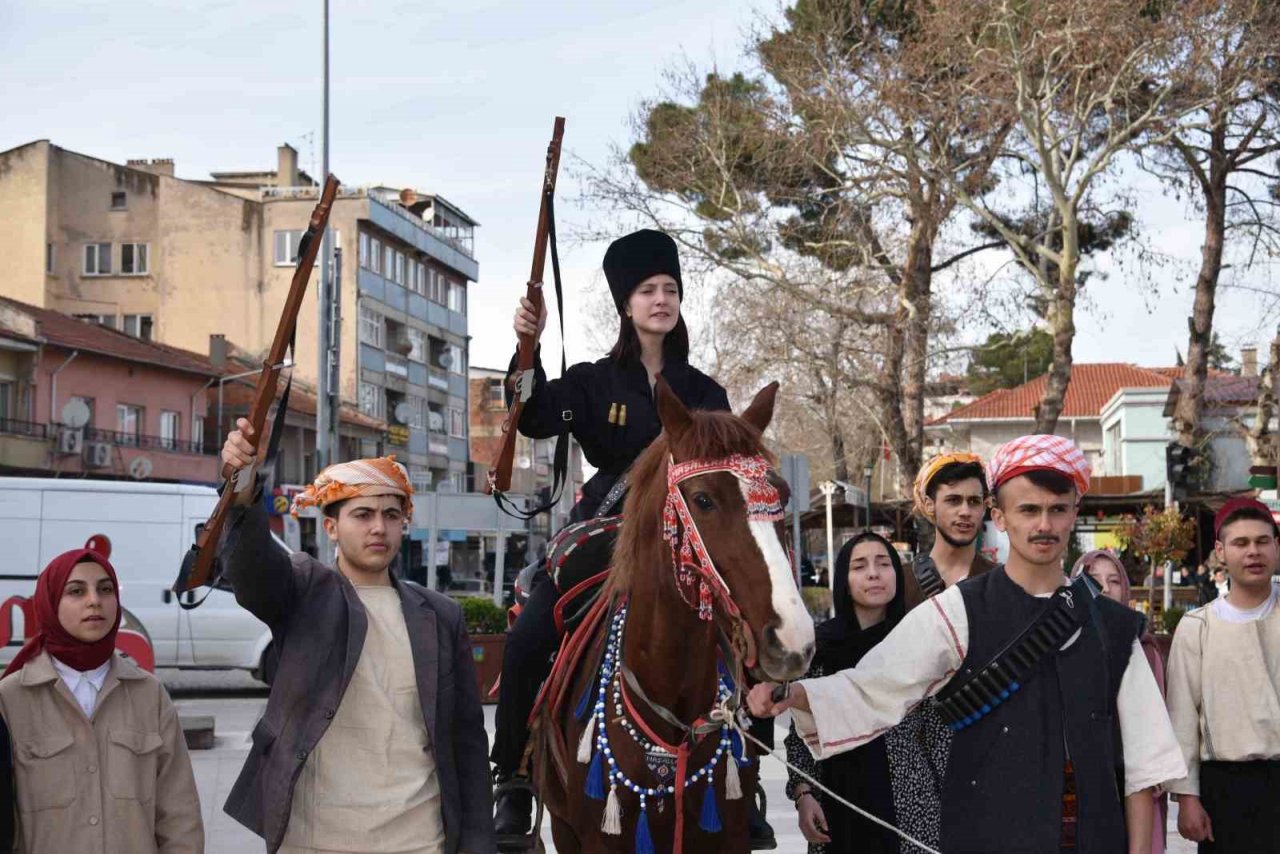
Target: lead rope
[{"x": 723, "y": 712}]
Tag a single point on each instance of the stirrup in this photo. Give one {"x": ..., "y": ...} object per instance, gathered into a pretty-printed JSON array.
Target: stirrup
[{"x": 532, "y": 841}]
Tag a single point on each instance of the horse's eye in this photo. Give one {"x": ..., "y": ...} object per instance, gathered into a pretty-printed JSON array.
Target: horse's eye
[{"x": 703, "y": 501}]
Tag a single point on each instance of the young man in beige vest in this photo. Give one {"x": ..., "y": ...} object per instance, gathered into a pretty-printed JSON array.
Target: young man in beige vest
[
  {"x": 373, "y": 739},
  {"x": 1224, "y": 693}
]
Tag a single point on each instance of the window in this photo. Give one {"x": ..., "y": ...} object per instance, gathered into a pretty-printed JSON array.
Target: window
[
  {"x": 97, "y": 259},
  {"x": 497, "y": 395},
  {"x": 133, "y": 259},
  {"x": 418, "y": 412},
  {"x": 388, "y": 260},
  {"x": 437, "y": 286},
  {"x": 399, "y": 276},
  {"x": 417, "y": 345},
  {"x": 170, "y": 423},
  {"x": 375, "y": 255},
  {"x": 457, "y": 360},
  {"x": 50, "y": 257},
  {"x": 128, "y": 423},
  {"x": 118, "y": 201},
  {"x": 1116, "y": 451},
  {"x": 138, "y": 325},
  {"x": 417, "y": 277},
  {"x": 458, "y": 481},
  {"x": 6, "y": 400},
  {"x": 197, "y": 433},
  {"x": 287, "y": 248},
  {"x": 364, "y": 250},
  {"x": 373, "y": 401},
  {"x": 107, "y": 320},
  {"x": 457, "y": 298},
  {"x": 372, "y": 328},
  {"x": 420, "y": 478},
  {"x": 457, "y": 424}
]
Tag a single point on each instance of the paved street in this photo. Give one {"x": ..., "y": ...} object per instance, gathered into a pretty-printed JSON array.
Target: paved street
[{"x": 236, "y": 700}]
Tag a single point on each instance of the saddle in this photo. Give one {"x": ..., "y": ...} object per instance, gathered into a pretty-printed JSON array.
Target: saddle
[{"x": 578, "y": 562}]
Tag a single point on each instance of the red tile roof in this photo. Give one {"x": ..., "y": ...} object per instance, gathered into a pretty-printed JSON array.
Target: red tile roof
[
  {"x": 63, "y": 330},
  {"x": 301, "y": 401},
  {"x": 1092, "y": 385}
]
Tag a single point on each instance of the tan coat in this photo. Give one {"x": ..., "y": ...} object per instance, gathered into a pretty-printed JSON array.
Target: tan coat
[{"x": 120, "y": 783}]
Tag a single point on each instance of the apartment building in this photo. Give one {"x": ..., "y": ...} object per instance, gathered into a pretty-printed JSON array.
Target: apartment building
[{"x": 181, "y": 262}]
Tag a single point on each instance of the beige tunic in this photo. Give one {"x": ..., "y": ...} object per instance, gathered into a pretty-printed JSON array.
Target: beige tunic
[
  {"x": 370, "y": 785},
  {"x": 1224, "y": 691}
]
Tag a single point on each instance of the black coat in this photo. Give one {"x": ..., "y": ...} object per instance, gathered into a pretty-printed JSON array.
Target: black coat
[
  {"x": 581, "y": 402},
  {"x": 318, "y": 628}
]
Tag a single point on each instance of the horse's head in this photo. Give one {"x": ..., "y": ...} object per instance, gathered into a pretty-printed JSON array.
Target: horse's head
[{"x": 734, "y": 500}]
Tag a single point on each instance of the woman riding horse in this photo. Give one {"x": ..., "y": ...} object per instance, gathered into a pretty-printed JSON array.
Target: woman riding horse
[
  {"x": 636, "y": 745},
  {"x": 608, "y": 406}
]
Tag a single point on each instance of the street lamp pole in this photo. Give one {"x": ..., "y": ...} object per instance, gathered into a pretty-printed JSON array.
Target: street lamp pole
[
  {"x": 867, "y": 471},
  {"x": 828, "y": 489}
]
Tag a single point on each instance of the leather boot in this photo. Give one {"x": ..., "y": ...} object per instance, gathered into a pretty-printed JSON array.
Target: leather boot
[{"x": 513, "y": 808}]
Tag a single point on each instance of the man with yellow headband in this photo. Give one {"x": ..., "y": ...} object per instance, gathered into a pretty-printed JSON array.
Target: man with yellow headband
[
  {"x": 373, "y": 738},
  {"x": 951, "y": 493}
]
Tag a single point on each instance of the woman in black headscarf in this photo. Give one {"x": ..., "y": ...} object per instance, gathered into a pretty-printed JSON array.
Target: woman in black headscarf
[{"x": 869, "y": 601}]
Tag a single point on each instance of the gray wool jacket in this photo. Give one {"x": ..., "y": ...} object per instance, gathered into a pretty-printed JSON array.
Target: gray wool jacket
[{"x": 318, "y": 628}]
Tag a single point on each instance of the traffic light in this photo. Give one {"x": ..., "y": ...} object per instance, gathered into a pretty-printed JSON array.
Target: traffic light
[{"x": 1179, "y": 468}]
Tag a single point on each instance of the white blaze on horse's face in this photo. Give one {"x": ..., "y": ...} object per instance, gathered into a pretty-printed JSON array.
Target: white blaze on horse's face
[{"x": 786, "y": 648}]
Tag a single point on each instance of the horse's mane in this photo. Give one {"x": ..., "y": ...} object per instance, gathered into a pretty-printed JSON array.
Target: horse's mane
[{"x": 711, "y": 435}]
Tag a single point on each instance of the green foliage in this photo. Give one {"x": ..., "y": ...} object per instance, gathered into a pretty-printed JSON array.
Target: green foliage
[
  {"x": 1158, "y": 535},
  {"x": 1170, "y": 618},
  {"x": 482, "y": 616},
  {"x": 1219, "y": 358},
  {"x": 1005, "y": 360}
]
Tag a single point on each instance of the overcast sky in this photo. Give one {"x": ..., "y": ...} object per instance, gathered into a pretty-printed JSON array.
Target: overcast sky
[{"x": 456, "y": 99}]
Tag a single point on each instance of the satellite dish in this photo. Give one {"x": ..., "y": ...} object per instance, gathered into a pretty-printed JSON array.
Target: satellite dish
[
  {"x": 524, "y": 463},
  {"x": 436, "y": 421},
  {"x": 446, "y": 359},
  {"x": 403, "y": 412},
  {"x": 75, "y": 414},
  {"x": 140, "y": 468},
  {"x": 408, "y": 197}
]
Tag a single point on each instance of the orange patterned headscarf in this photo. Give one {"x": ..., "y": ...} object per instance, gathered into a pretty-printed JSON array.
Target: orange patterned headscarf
[
  {"x": 920, "y": 492},
  {"x": 376, "y": 476},
  {"x": 1040, "y": 452}
]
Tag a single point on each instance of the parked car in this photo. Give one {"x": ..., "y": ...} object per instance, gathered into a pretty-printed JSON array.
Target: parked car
[{"x": 148, "y": 528}]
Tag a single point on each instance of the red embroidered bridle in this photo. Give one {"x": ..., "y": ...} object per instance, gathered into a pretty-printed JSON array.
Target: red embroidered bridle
[{"x": 699, "y": 583}]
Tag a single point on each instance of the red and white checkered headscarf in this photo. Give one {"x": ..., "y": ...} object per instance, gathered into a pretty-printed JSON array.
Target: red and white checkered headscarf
[
  {"x": 340, "y": 481},
  {"x": 1039, "y": 453}
]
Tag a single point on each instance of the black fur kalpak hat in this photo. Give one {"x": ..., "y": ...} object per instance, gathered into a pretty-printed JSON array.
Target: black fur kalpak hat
[{"x": 632, "y": 259}]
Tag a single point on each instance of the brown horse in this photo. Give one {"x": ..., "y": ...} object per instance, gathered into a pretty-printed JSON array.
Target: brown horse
[{"x": 700, "y": 588}]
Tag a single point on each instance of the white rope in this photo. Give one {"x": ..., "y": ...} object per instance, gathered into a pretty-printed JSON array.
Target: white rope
[{"x": 733, "y": 722}]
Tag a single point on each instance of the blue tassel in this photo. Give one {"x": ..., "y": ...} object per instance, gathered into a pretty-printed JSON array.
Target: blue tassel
[
  {"x": 585, "y": 703},
  {"x": 595, "y": 777},
  {"x": 739, "y": 752},
  {"x": 644, "y": 840},
  {"x": 709, "y": 821}
]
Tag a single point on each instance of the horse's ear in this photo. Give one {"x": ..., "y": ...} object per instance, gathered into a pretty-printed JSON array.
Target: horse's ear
[
  {"x": 672, "y": 413},
  {"x": 760, "y": 412}
]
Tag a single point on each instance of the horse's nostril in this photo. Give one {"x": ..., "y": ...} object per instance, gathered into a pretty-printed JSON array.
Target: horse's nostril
[{"x": 771, "y": 636}]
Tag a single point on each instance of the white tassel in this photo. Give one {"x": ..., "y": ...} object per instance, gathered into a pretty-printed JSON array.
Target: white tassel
[
  {"x": 732, "y": 784},
  {"x": 584, "y": 743},
  {"x": 612, "y": 823}
]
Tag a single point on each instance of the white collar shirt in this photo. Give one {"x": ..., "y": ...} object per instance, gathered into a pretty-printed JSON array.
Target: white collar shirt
[{"x": 84, "y": 685}]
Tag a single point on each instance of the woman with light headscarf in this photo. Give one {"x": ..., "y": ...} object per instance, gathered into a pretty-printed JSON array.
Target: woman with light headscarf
[{"x": 1105, "y": 568}]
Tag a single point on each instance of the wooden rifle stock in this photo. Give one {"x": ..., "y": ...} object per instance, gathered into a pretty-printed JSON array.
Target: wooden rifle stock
[
  {"x": 499, "y": 479},
  {"x": 197, "y": 566}
]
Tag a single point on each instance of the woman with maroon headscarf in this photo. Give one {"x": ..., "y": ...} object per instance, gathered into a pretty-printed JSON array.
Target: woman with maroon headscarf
[
  {"x": 1105, "y": 568},
  {"x": 99, "y": 757}
]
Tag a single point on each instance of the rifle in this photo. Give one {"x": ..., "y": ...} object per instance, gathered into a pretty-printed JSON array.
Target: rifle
[
  {"x": 197, "y": 566},
  {"x": 499, "y": 480}
]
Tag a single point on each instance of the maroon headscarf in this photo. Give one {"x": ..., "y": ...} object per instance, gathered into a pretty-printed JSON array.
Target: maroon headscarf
[
  {"x": 1147, "y": 640},
  {"x": 50, "y": 635}
]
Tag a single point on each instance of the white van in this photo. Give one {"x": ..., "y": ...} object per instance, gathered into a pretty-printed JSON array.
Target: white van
[{"x": 150, "y": 527}]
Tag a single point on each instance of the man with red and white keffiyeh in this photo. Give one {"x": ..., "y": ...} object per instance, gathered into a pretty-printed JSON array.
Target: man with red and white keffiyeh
[{"x": 1037, "y": 769}]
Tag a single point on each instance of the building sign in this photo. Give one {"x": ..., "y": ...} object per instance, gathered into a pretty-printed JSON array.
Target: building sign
[{"x": 398, "y": 434}]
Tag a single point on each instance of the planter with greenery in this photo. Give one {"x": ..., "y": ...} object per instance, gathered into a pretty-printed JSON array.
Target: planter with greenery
[{"x": 487, "y": 626}]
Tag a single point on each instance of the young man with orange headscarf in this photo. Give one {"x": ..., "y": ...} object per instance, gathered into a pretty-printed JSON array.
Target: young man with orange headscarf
[
  {"x": 373, "y": 738},
  {"x": 1026, "y": 669}
]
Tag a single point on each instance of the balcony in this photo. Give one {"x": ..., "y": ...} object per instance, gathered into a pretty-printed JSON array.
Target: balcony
[
  {"x": 14, "y": 427},
  {"x": 150, "y": 443},
  {"x": 397, "y": 365}
]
